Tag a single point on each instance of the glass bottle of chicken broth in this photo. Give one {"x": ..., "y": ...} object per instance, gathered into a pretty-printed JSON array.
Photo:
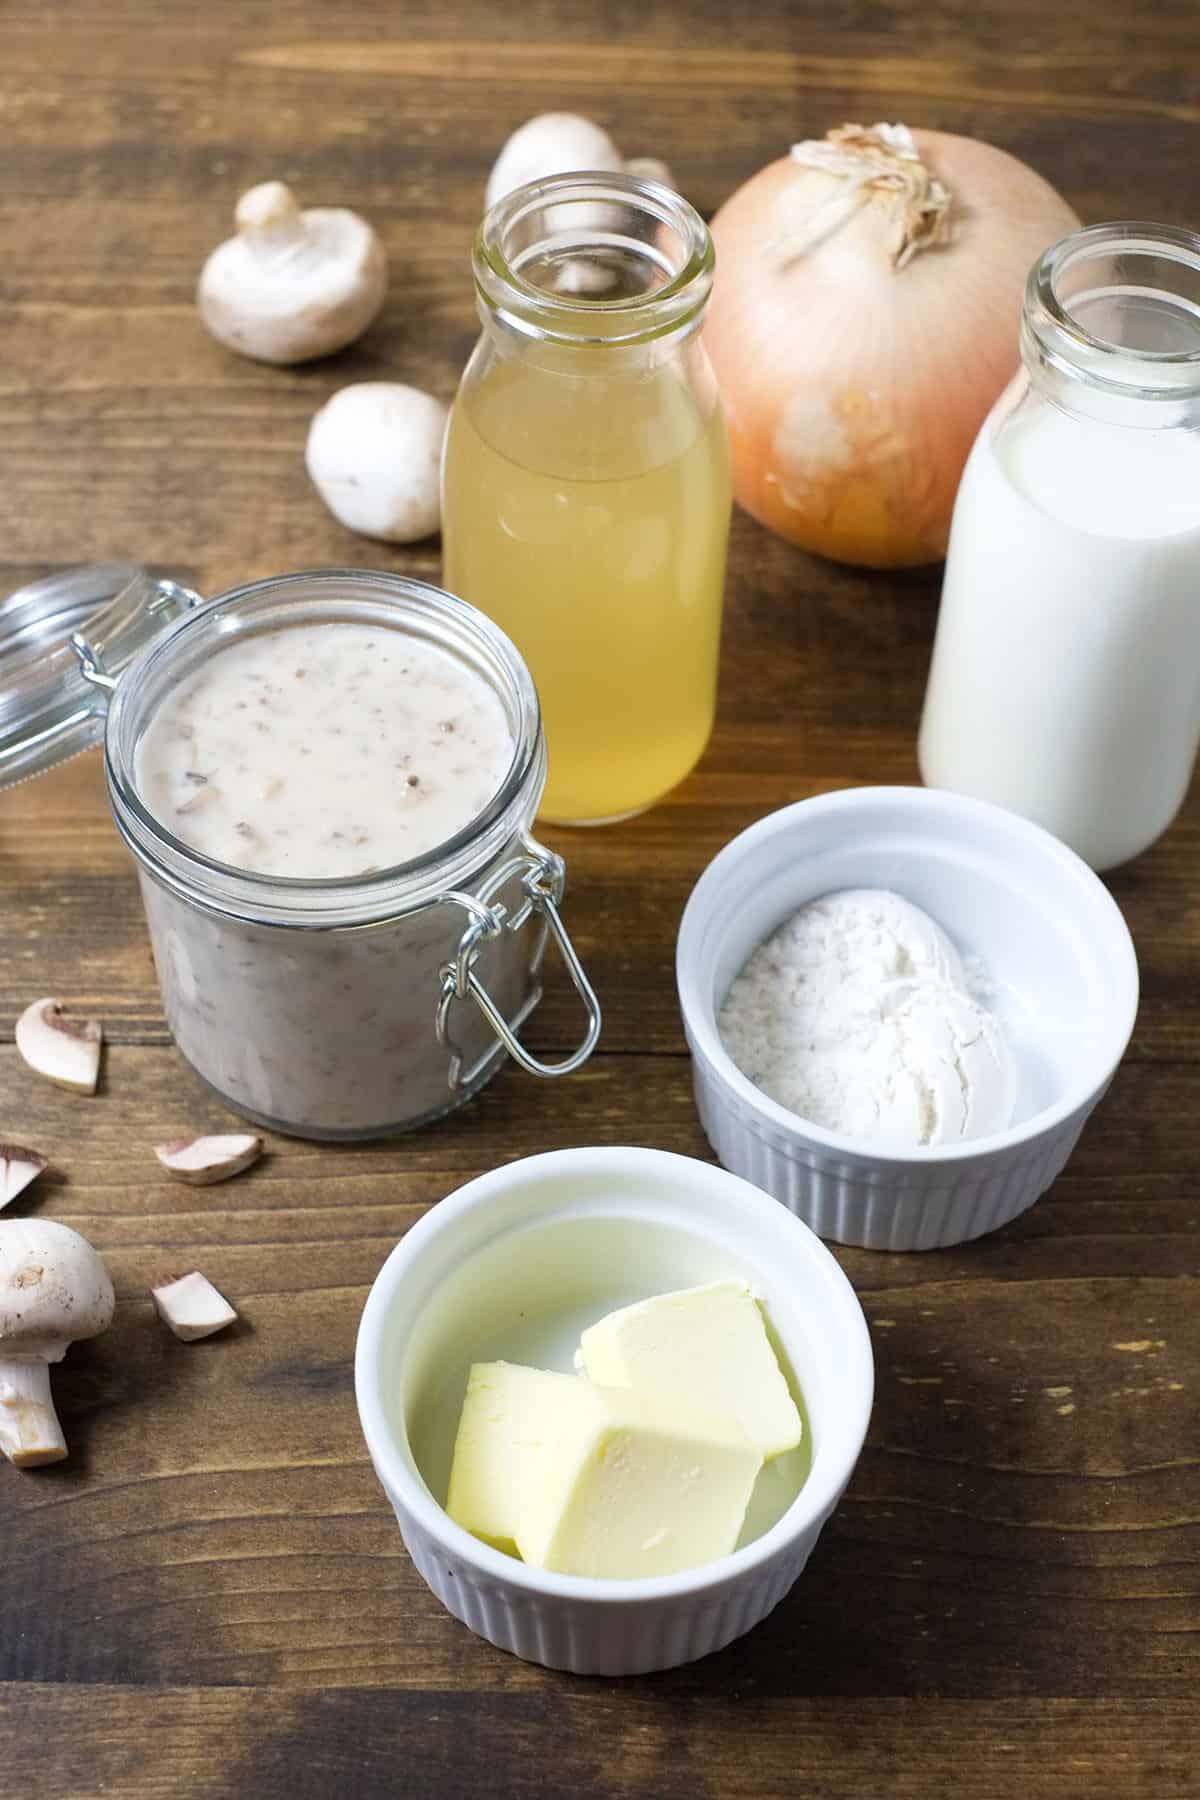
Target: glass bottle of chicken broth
[{"x": 586, "y": 481}]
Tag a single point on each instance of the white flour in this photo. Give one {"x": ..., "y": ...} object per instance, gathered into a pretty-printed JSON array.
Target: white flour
[{"x": 856, "y": 1015}]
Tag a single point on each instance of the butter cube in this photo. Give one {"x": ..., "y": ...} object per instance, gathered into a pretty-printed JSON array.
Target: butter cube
[
  {"x": 635, "y": 1485},
  {"x": 704, "y": 1345},
  {"x": 508, "y": 1419},
  {"x": 587, "y": 1480}
]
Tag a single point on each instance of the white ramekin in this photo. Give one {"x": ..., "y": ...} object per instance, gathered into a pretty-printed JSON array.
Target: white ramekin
[
  {"x": 514, "y": 1265},
  {"x": 1059, "y": 960}
]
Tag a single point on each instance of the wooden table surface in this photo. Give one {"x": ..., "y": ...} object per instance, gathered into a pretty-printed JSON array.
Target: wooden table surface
[{"x": 210, "y": 1597}]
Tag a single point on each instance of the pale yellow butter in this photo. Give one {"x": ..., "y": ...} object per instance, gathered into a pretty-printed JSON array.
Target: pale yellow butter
[
  {"x": 587, "y": 1480},
  {"x": 636, "y": 1485},
  {"x": 509, "y": 1417},
  {"x": 703, "y": 1345}
]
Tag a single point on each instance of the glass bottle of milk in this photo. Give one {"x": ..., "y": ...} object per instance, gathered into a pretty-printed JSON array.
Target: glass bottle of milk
[{"x": 1065, "y": 681}]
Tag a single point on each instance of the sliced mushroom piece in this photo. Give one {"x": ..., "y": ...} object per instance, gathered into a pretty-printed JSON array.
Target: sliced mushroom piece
[
  {"x": 192, "y": 1307},
  {"x": 204, "y": 1160},
  {"x": 54, "y": 1290},
  {"x": 197, "y": 800},
  {"x": 18, "y": 1167},
  {"x": 64, "y": 1050}
]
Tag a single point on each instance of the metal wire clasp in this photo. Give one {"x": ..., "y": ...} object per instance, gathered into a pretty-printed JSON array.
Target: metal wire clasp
[
  {"x": 541, "y": 875},
  {"x": 91, "y": 663},
  {"x": 169, "y": 596}
]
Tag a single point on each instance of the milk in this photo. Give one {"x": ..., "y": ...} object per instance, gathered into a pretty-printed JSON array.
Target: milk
[{"x": 1065, "y": 681}]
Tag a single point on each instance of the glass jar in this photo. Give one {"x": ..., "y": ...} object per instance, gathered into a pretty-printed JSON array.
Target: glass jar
[
  {"x": 586, "y": 480},
  {"x": 335, "y": 1008},
  {"x": 1065, "y": 681}
]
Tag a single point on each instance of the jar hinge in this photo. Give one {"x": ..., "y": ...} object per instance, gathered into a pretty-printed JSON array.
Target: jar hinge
[
  {"x": 91, "y": 663},
  {"x": 169, "y": 596},
  {"x": 541, "y": 874}
]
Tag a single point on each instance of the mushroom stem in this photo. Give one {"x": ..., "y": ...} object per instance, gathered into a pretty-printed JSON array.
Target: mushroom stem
[
  {"x": 54, "y": 1290},
  {"x": 268, "y": 217},
  {"x": 30, "y": 1433}
]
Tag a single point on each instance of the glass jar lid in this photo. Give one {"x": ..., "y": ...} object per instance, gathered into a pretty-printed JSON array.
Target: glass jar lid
[{"x": 64, "y": 642}]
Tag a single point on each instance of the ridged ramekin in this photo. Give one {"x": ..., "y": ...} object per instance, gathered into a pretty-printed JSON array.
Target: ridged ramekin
[
  {"x": 513, "y": 1265},
  {"x": 1057, "y": 955}
]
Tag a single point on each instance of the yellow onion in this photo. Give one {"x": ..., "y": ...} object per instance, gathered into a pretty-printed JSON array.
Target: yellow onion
[{"x": 865, "y": 316}]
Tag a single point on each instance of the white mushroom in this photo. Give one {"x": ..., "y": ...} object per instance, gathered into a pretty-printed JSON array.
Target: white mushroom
[
  {"x": 650, "y": 168},
  {"x": 585, "y": 276},
  {"x": 65, "y": 1051},
  {"x": 375, "y": 456},
  {"x": 192, "y": 1307},
  {"x": 551, "y": 144},
  {"x": 292, "y": 284},
  {"x": 54, "y": 1290},
  {"x": 18, "y": 1167},
  {"x": 204, "y": 1160},
  {"x": 562, "y": 144}
]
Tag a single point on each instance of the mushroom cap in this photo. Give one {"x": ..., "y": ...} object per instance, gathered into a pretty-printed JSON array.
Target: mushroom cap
[
  {"x": 374, "y": 453},
  {"x": 292, "y": 284},
  {"x": 551, "y": 144},
  {"x": 54, "y": 1289}
]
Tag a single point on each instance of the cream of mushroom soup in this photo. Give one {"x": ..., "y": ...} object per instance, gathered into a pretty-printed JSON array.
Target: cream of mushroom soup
[{"x": 324, "y": 751}]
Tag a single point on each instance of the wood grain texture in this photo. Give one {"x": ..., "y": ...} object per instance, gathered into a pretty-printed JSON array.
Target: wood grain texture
[
  {"x": 210, "y": 1597},
  {"x": 607, "y": 1744}
]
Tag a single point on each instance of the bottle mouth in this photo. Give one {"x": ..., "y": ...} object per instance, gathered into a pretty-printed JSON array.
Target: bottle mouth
[
  {"x": 1118, "y": 307},
  {"x": 594, "y": 258}
]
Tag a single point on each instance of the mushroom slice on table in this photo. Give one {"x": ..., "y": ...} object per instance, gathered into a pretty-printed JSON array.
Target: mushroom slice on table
[
  {"x": 192, "y": 1306},
  {"x": 204, "y": 1160},
  {"x": 54, "y": 1290},
  {"x": 64, "y": 1050},
  {"x": 18, "y": 1167}
]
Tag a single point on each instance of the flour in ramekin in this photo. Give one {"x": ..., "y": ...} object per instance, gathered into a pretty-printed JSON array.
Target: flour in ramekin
[{"x": 856, "y": 1015}]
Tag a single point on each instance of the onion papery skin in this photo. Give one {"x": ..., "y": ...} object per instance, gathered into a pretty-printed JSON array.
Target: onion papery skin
[{"x": 854, "y": 390}]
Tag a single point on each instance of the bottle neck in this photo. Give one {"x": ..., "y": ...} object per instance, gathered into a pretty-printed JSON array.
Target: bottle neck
[
  {"x": 593, "y": 263},
  {"x": 1111, "y": 326}
]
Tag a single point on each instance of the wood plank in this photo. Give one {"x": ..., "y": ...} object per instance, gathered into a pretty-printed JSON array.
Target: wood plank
[
  {"x": 1137, "y": 1147},
  {"x": 204, "y": 1742}
]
